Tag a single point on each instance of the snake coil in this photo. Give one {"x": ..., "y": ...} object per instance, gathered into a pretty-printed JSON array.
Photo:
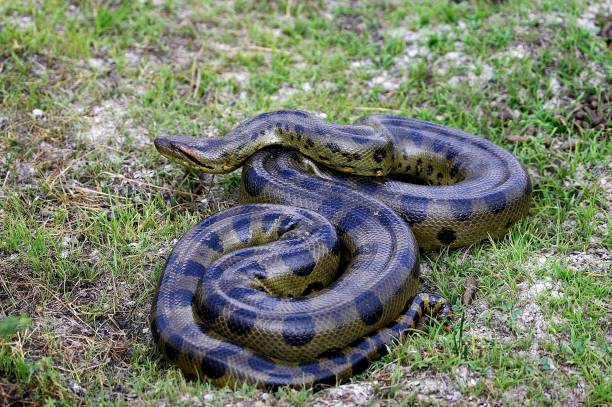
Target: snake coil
[{"x": 317, "y": 272}]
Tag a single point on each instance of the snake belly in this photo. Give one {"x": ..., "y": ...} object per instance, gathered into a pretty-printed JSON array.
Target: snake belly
[{"x": 317, "y": 273}]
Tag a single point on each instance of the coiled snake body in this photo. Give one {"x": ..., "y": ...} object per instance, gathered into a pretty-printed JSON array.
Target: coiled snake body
[{"x": 317, "y": 272}]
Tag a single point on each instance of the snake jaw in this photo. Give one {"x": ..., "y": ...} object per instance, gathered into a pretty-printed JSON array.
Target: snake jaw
[{"x": 185, "y": 150}]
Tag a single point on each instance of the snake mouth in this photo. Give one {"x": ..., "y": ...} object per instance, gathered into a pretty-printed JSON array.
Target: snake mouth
[{"x": 178, "y": 150}]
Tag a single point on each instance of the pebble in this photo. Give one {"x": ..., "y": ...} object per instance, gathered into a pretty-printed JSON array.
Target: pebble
[{"x": 37, "y": 113}]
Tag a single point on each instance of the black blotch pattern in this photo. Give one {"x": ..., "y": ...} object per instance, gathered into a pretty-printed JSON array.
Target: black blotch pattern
[
  {"x": 355, "y": 217},
  {"x": 212, "y": 307},
  {"x": 242, "y": 227},
  {"x": 461, "y": 209},
  {"x": 454, "y": 170},
  {"x": 379, "y": 154},
  {"x": 333, "y": 147},
  {"x": 173, "y": 347},
  {"x": 239, "y": 293},
  {"x": 253, "y": 183},
  {"x": 213, "y": 242},
  {"x": 212, "y": 365},
  {"x": 261, "y": 363},
  {"x": 330, "y": 206},
  {"x": 359, "y": 362},
  {"x": 312, "y": 184},
  {"x": 300, "y": 262},
  {"x": 193, "y": 269},
  {"x": 312, "y": 287},
  {"x": 183, "y": 297},
  {"x": 447, "y": 235},
  {"x": 496, "y": 202},
  {"x": 298, "y": 330},
  {"x": 437, "y": 145},
  {"x": 369, "y": 307},
  {"x": 241, "y": 322},
  {"x": 414, "y": 209},
  {"x": 334, "y": 355}
]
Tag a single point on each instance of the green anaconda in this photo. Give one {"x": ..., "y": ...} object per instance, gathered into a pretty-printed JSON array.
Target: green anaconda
[{"x": 317, "y": 273}]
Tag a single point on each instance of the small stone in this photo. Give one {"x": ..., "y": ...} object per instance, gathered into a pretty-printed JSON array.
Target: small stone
[{"x": 37, "y": 113}]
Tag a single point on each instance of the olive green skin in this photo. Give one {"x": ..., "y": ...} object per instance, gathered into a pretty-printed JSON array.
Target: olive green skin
[{"x": 317, "y": 272}]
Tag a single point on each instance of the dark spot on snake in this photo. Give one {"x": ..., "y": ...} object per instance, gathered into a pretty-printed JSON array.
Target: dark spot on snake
[
  {"x": 248, "y": 252},
  {"x": 173, "y": 347},
  {"x": 330, "y": 206},
  {"x": 407, "y": 258},
  {"x": 454, "y": 170},
  {"x": 309, "y": 143},
  {"x": 242, "y": 321},
  {"x": 242, "y": 228},
  {"x": 368, "y": 186},
  {"x": 412, "y": 315},
  {"x": 299, "y": 261},
  {"x": 387, "y": 217},
  {"x": 446, "y": 235},
  {"x": 268, "y": 220},
  {"x": 414, "y": 209},
  {"x": 334, "y": 355},
  {"x": 254, "y": 269},
  {"x": 159, "y": 324},
  {"x": 429, "y": 169},
  {"x": 182, "y": 297},
  {"x": 360, "y": 139},
  {"x": 299, "y": 113},
  {"x": 408, "y": 167},
  {"x": 300, "y": 129},
  {"x": 193, "y": 268},
  {"x": 288, "y": 173},
  {"x": 461, "y": 209},
  {"x": 213, "y": 242},
  {"x": 439, "y": 175},
  {"x": 212, "y": 307},
  {"x": 319, "y": 130},
  {"x": 321, "y": 375},
  {"x": 253, "y": 183},
  {"x": 496, "y": 202},
  {"x": 437, "y": 145},
  {"x": 261, "y": 363},
  {"x": 312, "y": 184},
  {"x": 358, "y": 363},
  {"x": 213, "y": 272},
  {"x": 355, "y": 217},
  {"x": 369, "y": 307},
  {"x": 313, "y": 287},
  {"x": 416, "y": 137},
  {"x": 451, "y": 153},
  {"x": 286, "y": 225},
  {"x": 333, "y": 147},
  {"x": 379, "y": 154},
  {"x": 323, "y": 158},
  {"x": 298, "y": 330},
  {"x": 212, "y": 365}
]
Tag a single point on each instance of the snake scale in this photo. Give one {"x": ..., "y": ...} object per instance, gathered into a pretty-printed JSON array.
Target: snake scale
[{"x": 317, "y": 272}]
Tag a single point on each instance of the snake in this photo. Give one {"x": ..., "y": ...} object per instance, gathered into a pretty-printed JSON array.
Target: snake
[{"x": 316, "y": 273}]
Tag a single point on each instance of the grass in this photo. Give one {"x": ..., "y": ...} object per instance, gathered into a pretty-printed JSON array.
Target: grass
[{"x": 89, "y": 211}]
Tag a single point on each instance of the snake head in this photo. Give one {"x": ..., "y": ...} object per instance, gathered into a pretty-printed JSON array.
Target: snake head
[{"x": 199, "y": 154}]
